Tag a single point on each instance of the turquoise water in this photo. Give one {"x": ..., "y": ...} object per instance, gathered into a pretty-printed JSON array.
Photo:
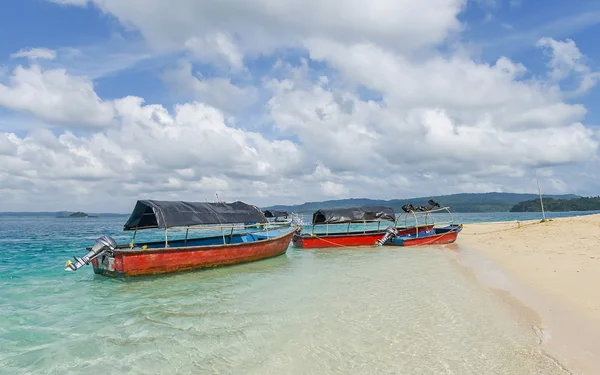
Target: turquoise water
[{"x": 361, "y": 311}]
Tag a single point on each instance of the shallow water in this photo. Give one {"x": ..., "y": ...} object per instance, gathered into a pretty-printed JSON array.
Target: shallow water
[{"x": 351, "y": 311}]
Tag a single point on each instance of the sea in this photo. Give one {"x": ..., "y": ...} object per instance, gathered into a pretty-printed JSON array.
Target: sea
[{"x": 327, "y": 311}]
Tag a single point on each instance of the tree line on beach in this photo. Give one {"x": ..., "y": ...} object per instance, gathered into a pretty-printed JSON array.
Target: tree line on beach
[{"x": 551, "y": 204}]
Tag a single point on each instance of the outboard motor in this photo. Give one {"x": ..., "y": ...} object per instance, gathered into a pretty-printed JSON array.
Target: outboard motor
[
  {"x": 103, "y": 244},
  {"x": 390, "y": 234}
]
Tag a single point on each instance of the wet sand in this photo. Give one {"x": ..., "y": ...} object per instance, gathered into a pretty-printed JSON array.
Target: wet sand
[{"x": 552, "y": 268}]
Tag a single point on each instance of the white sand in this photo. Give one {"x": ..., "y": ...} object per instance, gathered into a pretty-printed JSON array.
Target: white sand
[{"x": 560, "y": 262}]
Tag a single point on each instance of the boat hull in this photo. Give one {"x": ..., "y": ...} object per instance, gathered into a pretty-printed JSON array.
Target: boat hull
[
  {"x": 440, "y": 236},
  {"x": 128, "y": 263},
  {"x": 308, "y": 241}
]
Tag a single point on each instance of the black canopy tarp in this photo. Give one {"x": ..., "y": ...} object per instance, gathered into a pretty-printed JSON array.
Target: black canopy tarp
[
  {"x": 348, "y": 214},
  {"x": 165, "y": 214},
  {"x": 275, "y": 213}
]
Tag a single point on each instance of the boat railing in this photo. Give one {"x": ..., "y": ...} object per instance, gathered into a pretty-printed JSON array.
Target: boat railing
[
  {"x": 427, "y": 218},
  {"x": 227, "y": 230},
  {"x": 350, "y": 222}
]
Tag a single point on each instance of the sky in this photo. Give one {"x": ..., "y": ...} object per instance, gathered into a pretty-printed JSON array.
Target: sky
[{"x": 103, "y": 102}]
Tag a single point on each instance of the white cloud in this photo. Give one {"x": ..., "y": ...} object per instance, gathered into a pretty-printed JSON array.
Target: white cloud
[
  {"x": 348, "y": 134},
  {"x": 216, "y": 48},
  {"x": 515, "y": 3},
  {"x": 191, "y": 152},
  {"x": 56, "y": 97},
  {"x": 566, "y": 61},
  {"x": 451, "y": 119},
  {"x": 218, "y": 92},
  {"x": 104, "y": 59},
  {"x": 332, "y": 189},
  {"x": 70, "y": 2},
  {"x": 35, "y": 53},
  {"x": 265, "y": 24},
  {"x": 441, "y": 123}
]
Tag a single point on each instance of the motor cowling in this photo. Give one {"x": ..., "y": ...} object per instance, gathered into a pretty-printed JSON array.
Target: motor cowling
[
  {"x": 104, "y": 244},
  {"x": 390, "y": 235}
]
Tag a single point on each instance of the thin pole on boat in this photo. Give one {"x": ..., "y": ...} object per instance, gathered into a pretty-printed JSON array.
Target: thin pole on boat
[
  {"x": 231, "y": 235},
  {"x": 364, "y": 226},
  {"x": 223, "y": 234},
  {"x": 133, "y": 238},
  {"x": 327, "y": 229},
  {"x": 166, "y": 237},
  {"x": 451, "y": 216},
  {"x": 186, "y": 236},
  {"x": 540, "y": 193},
  {"x": 348, "y": 230},
  {"x": 416, "y": 224},
  {"x": 378, "y": 225}
]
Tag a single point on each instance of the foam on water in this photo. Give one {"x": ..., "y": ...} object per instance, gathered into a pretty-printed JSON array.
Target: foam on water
[{"x": 351, "y": 311}]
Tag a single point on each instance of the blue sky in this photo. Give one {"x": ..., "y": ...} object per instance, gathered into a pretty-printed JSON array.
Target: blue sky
[
  {"x": 496, "y": 28},
  {"x": 513, "y": 31},
  {"x": 296, "y": 106}
]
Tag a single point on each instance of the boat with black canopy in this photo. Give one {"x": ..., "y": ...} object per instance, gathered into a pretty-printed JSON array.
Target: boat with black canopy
[
  {"x": 436, "y": 233},
  {"x": 237, "y": 233},
  {"x": 278, "y": 218},
  {"x": 276, "y": 214},
  {"x": 339, "y": 232}
]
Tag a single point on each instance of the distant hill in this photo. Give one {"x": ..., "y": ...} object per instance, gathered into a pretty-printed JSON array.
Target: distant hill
[
  {"x": 577, "y": 204},
  {"x": 466, "y": 202}
]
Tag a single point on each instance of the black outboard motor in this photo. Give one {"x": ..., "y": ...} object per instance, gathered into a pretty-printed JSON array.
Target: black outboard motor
[
  {"x": 103, "y": 244},
  {"x": 390, "y": 234}
]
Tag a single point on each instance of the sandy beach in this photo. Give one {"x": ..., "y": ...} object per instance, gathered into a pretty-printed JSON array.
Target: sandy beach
[{"x": 554, "y": 269}]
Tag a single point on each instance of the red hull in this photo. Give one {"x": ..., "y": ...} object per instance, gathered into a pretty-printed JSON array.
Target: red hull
[
  {"x": 308, "y": 241},
  {"x": 150, "y": 262},
  {"x": 437, "y": 239}
]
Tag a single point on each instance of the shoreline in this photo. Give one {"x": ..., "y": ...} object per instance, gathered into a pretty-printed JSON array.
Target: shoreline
[{"x": 549, "y": 269}]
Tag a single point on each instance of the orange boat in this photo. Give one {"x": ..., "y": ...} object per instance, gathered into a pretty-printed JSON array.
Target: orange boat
[{"x": 149, "y": 258}]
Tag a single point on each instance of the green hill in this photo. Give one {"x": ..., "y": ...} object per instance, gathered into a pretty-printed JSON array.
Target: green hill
[
  {"x": 465, "y": 202},
  {"x": 550, "y": 204}
]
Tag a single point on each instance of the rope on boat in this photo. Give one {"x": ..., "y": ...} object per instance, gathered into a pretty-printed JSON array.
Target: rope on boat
[
  {"x": 519, "y": 226},
  {"x": 333, "y": 243},
  {"x": 436, "y": 237}
]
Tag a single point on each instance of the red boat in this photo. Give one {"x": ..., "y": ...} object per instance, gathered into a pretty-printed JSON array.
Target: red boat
[
  {"x": 149, "y": 258},
  {"x": 435, "y": 236},
  {"x": 432, "y": 236},
  {"x": 368, "y": 238},
  {"x": 349, "y": 216}
]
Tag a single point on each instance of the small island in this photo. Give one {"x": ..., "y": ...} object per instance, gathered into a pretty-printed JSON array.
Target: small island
[{"x": 77, "y": 214}]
